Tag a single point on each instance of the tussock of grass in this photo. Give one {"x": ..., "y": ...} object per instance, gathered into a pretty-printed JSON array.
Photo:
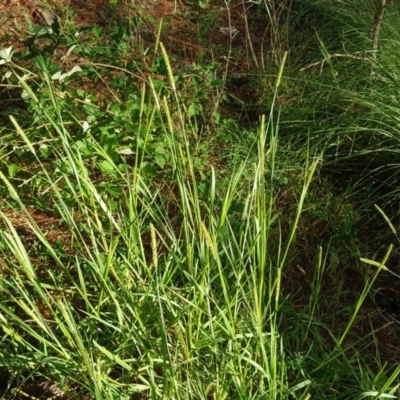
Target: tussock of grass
[
  {"x": 193, "y": 307},
  {"x": 180, "y": 278}
]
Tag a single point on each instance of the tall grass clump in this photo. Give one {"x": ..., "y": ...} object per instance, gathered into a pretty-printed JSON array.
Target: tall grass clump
[
  {"x": 340, "y": 95},
  {"x": 160, "y": 292},
  {"x": 157, "y": 289}
]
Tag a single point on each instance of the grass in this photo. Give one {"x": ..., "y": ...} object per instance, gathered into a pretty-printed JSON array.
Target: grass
[
  {"x": 150, "y": 247},
  {"x": 191, "y": 311}
]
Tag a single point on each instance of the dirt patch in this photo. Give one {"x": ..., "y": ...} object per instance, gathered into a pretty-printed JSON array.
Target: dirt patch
[{"x": 194, "y": 35}]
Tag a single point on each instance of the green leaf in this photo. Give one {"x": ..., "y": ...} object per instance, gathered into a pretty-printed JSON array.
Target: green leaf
[
  {"x": 106, "y": 167},
  {"x": 160, "y": 160},
  {"x": 12, "y": 170}
]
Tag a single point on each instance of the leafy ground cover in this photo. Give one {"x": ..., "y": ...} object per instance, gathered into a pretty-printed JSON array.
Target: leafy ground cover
[{"x": 199, "y": 200}]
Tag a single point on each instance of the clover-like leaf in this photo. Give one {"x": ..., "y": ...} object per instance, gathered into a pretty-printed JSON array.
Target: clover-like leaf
[
  {"x": 6, "y": 54},
  {"x": 61, "y": 76}
]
